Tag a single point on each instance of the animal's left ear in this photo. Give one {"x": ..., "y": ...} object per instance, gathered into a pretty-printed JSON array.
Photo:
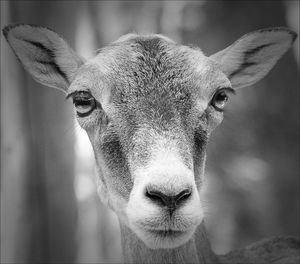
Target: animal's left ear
[{"x": 252, "y": 56}]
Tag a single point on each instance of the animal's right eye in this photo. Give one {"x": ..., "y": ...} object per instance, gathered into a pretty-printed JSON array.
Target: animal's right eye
[{"x": 84, "y": 103}]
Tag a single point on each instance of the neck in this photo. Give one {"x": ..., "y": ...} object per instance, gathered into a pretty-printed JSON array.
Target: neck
[{"x": 196, "y": 250}]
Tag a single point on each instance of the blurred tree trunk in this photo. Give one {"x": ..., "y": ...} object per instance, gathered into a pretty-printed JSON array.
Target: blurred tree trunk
[
  {"x": 38, "y": 204},
  {"x": 260, "y": 134}
]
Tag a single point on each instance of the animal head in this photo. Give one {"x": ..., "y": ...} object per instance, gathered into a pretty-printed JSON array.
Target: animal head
[{"x": 149, "y": 106}]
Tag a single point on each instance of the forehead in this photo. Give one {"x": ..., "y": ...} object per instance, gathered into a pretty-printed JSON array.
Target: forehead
[{"x": 143, "y": 69}]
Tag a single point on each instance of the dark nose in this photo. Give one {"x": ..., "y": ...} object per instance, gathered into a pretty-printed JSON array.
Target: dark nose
[{"x": 165, "y": 199}]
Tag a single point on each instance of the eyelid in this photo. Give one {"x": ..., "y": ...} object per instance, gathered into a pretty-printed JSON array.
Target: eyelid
[
  {"x": 227, "y": 89},
  {"x": 77, "y": 91}
]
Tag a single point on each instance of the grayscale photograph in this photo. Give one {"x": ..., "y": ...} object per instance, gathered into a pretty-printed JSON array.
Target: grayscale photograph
[{"x": 150, "y": 132}]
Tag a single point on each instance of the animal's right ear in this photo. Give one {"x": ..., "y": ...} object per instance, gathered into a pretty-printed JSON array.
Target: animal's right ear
[{"x": 44, "y": 54}]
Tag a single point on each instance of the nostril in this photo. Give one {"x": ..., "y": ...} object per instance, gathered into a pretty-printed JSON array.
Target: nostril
[
  {"x": 183, "y": 196},
  {"x": 169, "y": 201},
  {"x": 156, "y": 197}
]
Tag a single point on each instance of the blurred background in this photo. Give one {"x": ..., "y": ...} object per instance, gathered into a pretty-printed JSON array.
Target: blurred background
[{"x": 50, "y": 211}]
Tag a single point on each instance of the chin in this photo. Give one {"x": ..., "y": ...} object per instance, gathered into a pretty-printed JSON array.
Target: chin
[{"x": 163, "y": 239}]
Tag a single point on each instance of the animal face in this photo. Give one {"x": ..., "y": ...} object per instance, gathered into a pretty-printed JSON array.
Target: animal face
[
  {"x": 148, "y": 106},
  {"x": 150, "y": 110}
]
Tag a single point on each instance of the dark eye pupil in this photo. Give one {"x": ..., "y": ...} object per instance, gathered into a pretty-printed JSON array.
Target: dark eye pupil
[
  {"x": 222, "y": 97},
  {"x": 83, "y": 101}
]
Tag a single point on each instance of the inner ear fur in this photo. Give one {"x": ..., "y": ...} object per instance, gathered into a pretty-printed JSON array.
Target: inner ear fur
[
  {"x": 252, "y": 56},
  {"x": 44, "y": 54}
]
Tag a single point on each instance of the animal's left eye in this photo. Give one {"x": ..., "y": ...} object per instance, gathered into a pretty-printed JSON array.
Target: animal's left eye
[
  {"x": 220, "y": 99},
  {"x": 84, "y": 103}
]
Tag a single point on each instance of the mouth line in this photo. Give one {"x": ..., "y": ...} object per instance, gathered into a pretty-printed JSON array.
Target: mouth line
[
  {"x": 164, "y": 236},
  {"x": 166, "y": 232}
]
